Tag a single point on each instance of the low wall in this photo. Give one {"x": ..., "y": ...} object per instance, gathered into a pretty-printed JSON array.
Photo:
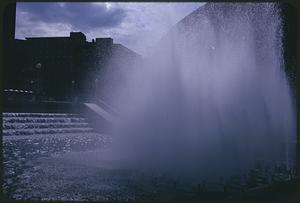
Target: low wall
[{"x": 41, "y": 107}]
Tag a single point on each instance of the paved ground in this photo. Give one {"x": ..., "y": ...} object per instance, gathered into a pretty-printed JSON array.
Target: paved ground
[
  {"x": 34, "y": 168},
  {"x": 58, "y": 156},
  {"x": 68, "y": 167}
]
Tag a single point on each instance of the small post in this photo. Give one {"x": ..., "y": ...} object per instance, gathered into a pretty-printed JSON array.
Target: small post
[
  {"x": 73, "y": 96},
  {"x": 39, "y": 88},
  {"x": 96, "y": 89}
]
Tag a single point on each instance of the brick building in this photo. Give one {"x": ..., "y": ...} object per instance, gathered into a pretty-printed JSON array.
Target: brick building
[{"x": 61, "y": 68}]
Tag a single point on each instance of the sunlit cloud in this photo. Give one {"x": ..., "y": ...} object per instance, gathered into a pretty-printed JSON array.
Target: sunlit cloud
[{"x": 135, "y": 25}]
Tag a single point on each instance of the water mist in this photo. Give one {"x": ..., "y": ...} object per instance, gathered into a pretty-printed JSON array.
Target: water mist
[{"x": 212, "y": 99}]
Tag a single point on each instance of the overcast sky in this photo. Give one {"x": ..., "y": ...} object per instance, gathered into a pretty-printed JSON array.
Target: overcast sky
[{"x": 136, "y": 25}]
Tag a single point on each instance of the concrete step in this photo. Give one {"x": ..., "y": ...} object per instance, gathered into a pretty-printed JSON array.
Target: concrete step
[
  {"x": 20, "y": 126},
  {"x": 46, "y": 131},
  {"x": 7, "y": 120},
  {"x": 39, "y": 115},
  {"x": 56, "y": 136}
]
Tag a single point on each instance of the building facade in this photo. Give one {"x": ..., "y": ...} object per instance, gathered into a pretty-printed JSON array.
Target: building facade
[{"x": 61, "y": 68}]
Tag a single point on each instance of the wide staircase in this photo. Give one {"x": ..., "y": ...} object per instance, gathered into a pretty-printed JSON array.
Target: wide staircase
[
  {"x": 18, "y": 124},
  {"x": 49, "y": 132}
]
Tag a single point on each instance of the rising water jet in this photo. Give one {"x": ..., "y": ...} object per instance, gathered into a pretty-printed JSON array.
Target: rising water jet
[{"x": 212, "y": 99}]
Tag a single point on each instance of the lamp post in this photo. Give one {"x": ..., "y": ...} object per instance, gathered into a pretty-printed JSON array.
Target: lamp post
[
  {"x": 96, "y": 89},
  {"x": 73, "y": 96},
  {"x": 39, "y": 90},
  {"x": 38, "y": 66}
]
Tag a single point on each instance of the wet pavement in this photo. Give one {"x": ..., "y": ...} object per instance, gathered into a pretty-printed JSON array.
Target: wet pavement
[
  {"x": 29, "y": 161},
  {"x": 76, "y": 166},
  {"x": 70, "y": 167},
  {"x": 55, "y": 156}
]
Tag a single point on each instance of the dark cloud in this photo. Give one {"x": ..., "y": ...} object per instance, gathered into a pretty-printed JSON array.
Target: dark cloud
[
  {"x": 135, "y": 25},
  {"x": 82, "y": 16}
]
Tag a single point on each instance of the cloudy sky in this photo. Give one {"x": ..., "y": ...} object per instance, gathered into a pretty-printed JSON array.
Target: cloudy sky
[{"x": 136, "y": 25}]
